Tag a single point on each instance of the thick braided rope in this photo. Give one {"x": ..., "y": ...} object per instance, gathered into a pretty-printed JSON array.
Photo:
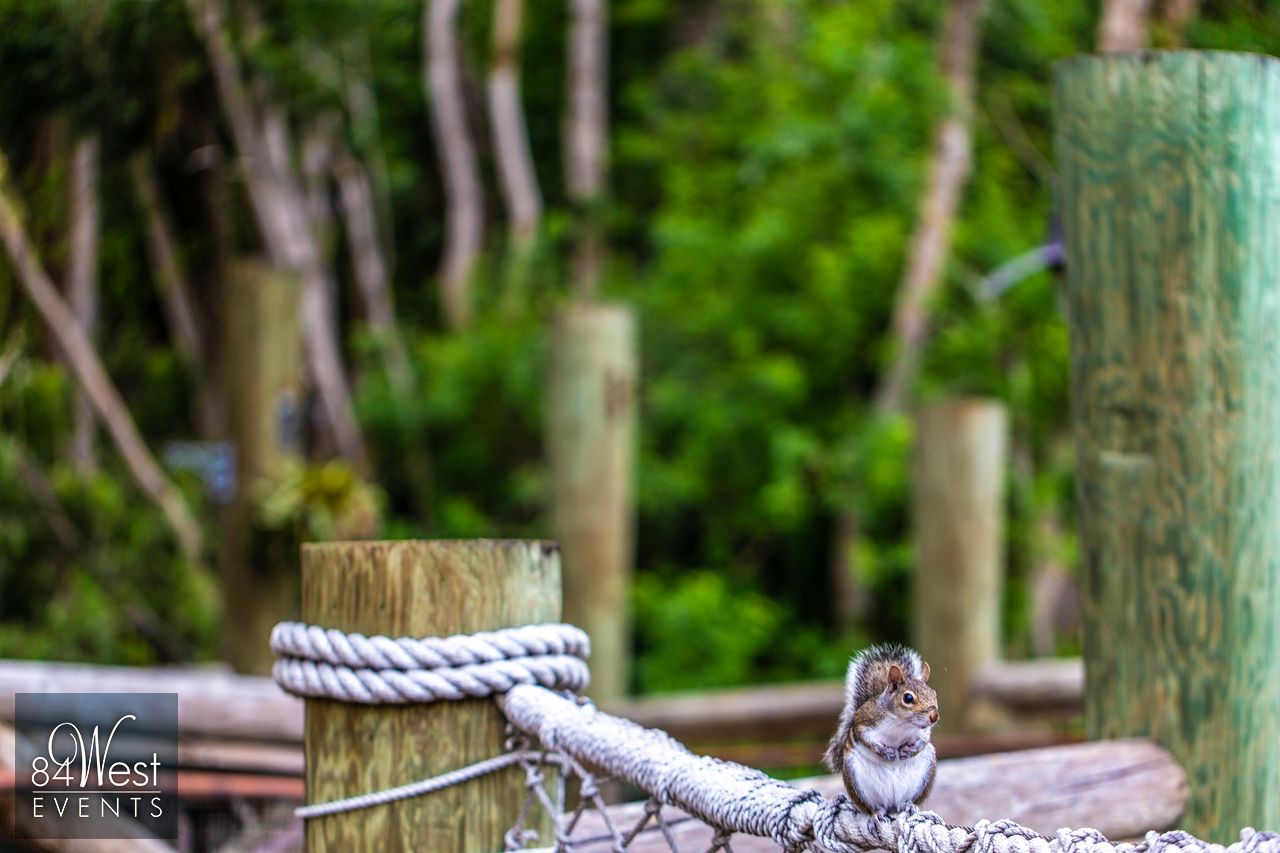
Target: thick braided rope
[
  {"x": 734, "y": 798},
  {"x": 314, "y": 661}
]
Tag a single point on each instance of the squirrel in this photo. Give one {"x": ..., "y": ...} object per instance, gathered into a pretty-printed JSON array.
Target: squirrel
[{"x": 882, "y": 747}]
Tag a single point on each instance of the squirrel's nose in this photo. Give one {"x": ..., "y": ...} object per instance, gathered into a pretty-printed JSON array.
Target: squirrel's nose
[{"x": 933, "y": 715}]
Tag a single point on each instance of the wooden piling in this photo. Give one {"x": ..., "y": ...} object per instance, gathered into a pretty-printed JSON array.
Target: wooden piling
[
  {"x": 958, "y": 517},
  {"x": 418, "y": 589},
  {"x": 1169, "y": 181},
  {"x": 590, "y": 436},
  {"x": 261, "y": 364}
]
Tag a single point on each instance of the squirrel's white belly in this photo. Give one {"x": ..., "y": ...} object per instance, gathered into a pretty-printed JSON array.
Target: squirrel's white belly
[{"x": 888, "y": 785}]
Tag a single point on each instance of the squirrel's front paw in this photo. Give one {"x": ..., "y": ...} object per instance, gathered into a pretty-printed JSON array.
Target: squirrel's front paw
[
  {"x": 888, "y": 753},
  {"x": 912, "y": 749}
]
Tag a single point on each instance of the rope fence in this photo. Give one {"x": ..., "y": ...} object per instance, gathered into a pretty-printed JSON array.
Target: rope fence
[{"x": 533, "y": 673}]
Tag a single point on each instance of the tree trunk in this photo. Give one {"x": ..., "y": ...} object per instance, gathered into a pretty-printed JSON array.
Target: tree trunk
[
  {"x": 464, "y": 211},
  {"x": 516, "y": 172},
  {"x": 82, "y": 283},
  {"x": 586, "y": 137},
  {"x": 280, "y": 207},
  {"x": 90, "y": 375},
  {"x": 1123, "y": 26},
  {"x": 948, "y": 171}
]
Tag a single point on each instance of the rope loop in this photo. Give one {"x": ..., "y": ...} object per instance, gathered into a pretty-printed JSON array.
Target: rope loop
[{"x": 352, "y": 667}]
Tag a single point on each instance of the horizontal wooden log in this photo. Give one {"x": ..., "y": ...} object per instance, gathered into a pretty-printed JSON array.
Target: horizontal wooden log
[
  {"x": 766, "y": 754},
  {"x": 1032, "y": 686},
  {"x": 242, "y": 756},
  {"x": 210, "y": 703},
  {"x": 223, "y": 705},
  {"x": 1122, "y": 788},
  {"x": 744, "y": 713}
]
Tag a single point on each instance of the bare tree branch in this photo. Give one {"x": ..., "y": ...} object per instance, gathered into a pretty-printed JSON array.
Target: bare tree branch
[
  {"x": 82, "y": 282},
  {"x": 464, "y": 212},
  {"x": 166, "y": 265},
  {"x": 365, "y": 122},
  {"x": 90, "y": 375},
  {"x": 586, "y": 136},
  {"x": 948, "y": 171},
  {"x": 516, "y": 172},
  {"x": 281, "y": 210},
  {"x": 373, "y": 280}
]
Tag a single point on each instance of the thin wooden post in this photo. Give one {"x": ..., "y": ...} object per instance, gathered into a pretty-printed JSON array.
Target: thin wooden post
[
  {"x": 1169, "y": 167},
  {"x": 418, "y": 589},
  {"x": 590, "y": 434},
  {"x": 958, "y": 515},
  {"x": 262, "y": 369}
]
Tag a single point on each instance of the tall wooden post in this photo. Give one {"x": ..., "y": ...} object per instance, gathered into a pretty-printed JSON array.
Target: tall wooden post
[
  {"x": 418, "y": 589},
  {"x": 1169, "y": 169},
  {"x": 958, "y": 515},
  {"x": 590, "y": 435},
  {"x": 262, "y": 366}
]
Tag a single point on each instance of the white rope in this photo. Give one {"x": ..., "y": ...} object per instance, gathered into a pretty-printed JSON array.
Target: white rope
[
  {"x": 313, "y": 661},
  {"x": 311, "y": 642},
  {"x": 426, "y": 786},
  {"x": 516, "y": 665},
  {"x": 734, "y": 798}
]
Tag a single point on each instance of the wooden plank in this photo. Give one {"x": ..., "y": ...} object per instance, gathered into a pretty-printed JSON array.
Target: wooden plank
[
  {"x": 740, "y": 713},
  {"x": 210, "y": 704},
  {"x": 1122, "y": 788},
  {"x": 776, "y": 755},
  {"x": 1169, "y": 166},
  {"x": 217, "y": 705},
  {"x": 246, "y": 756},
  {"x": 1032, "y": 686}
]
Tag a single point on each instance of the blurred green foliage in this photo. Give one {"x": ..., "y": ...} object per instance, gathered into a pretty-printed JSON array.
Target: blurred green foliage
[{"x": 767, "y": 158}]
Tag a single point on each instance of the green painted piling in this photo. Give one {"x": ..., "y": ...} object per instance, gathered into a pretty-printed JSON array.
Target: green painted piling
[{"x": 1169, "y": 169}]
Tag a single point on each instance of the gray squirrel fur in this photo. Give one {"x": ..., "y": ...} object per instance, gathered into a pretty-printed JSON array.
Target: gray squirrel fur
[{"x": 866, "y": 678}]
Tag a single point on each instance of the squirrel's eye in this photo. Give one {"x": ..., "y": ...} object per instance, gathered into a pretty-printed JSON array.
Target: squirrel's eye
[{"x": 908, "y": 698}]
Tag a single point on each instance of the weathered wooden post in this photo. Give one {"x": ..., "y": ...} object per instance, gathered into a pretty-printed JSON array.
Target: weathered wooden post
[
  {"x": 261, "y": 363},
  {"x": 958, "y": 516},
  {"x": 418, "y": 589},
  {"x": 590, "y": 437},
  {"x": 1169, "y": 168}
]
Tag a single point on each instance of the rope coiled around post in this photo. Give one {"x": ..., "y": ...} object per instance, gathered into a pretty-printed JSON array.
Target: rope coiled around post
[{"x": 320, "y": 662}]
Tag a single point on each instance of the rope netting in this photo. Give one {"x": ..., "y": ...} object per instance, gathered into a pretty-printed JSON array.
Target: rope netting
[{"x": 534, "y": 672}]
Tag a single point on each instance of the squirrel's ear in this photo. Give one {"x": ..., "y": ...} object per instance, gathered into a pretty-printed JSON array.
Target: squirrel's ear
[
  {"x": 895, "y": 674},
  {"x": 924, "y": 671}
]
